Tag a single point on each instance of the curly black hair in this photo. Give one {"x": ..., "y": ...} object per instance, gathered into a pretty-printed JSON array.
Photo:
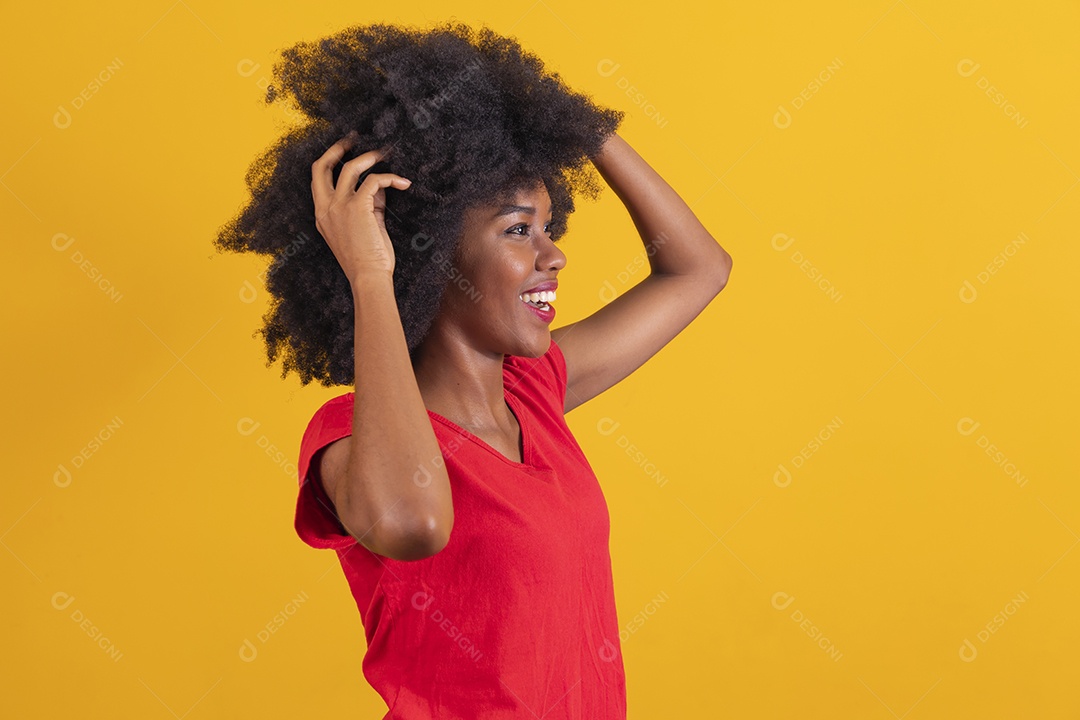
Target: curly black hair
[{"x": 471, "y": 116}]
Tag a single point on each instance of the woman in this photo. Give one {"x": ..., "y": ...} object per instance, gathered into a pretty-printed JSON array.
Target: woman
[{"x": 469, "y": 524}]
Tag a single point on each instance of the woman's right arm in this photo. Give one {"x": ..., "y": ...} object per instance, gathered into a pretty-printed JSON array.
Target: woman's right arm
[{"x": 387, "y": 480}]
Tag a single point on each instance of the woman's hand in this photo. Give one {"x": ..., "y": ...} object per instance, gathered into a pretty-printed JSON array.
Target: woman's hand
[{"x": 352, "y": 221}]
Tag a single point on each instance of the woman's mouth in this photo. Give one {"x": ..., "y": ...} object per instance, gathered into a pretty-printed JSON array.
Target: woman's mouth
[{"x": 539, "y": 303}]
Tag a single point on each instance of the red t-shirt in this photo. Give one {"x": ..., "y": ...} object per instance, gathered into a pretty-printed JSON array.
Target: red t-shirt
[{"x": 515, "y": 617}]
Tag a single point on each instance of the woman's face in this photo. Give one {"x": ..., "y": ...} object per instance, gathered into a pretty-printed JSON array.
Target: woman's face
[{"x": 505, "y": 250}]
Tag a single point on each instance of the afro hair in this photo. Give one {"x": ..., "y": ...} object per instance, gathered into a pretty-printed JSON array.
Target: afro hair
[{"x": 471, "y": 116}]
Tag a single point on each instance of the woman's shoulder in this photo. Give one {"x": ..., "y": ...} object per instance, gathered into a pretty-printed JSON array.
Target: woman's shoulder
[{"x": 544, "y": 375}]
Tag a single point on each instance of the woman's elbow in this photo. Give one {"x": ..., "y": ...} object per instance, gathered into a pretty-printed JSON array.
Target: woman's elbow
[{"x": 722, "y": 269}]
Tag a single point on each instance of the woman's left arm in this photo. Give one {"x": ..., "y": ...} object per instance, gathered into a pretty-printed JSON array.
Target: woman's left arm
[{"x": 688, "y": 270}]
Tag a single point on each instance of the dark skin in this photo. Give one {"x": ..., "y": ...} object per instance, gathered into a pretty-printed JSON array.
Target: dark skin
[
  {"x": 460, "y": 375},
  {"x": 458, "y": 366},
  {"x": 457, "y": 370}
]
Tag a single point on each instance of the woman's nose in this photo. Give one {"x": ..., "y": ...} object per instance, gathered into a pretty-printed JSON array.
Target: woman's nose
[{"x": 550, "y": 257}]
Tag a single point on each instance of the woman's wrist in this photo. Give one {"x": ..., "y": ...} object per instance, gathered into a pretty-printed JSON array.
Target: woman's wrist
[{"x": 362, "y": 280}]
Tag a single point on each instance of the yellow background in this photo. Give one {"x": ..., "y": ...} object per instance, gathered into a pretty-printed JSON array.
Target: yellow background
[{"x": 852, "y": 586}]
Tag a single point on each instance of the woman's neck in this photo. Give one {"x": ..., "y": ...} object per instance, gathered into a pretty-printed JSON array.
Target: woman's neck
[{"x": 461, "y": 383}]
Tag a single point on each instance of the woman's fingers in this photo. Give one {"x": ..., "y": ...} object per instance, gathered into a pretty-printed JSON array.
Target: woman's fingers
[
  {"x": 350, "y": 218},
  {"x": 322, "y": 170},
  {"x": 353, "y": 169},
  {"x": 371, "y": 194},
  {"x": 374, "y": 181}
]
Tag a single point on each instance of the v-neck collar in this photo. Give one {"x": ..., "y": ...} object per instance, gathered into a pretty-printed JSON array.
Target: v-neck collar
[{"x": 517, "y": 409}]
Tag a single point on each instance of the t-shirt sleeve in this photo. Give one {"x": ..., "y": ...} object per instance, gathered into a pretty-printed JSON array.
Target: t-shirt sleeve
[{"x": 316, "y": 522}]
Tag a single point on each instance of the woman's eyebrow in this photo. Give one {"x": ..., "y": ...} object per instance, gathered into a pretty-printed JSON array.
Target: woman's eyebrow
[{"x": 510, "y": 209}]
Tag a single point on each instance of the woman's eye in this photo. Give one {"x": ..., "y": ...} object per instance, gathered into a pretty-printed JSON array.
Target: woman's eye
[{"x": 525, "y": 227}]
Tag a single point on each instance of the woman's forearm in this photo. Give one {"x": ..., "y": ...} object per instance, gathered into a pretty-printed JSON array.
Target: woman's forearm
[
  {"x": 676, "y": 241},
  {"x": 396, "y": 480}
]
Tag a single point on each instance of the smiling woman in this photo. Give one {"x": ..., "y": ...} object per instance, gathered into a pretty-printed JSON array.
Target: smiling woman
[
  {"x": 470, "y": 116},
  {"x": 507, "y": 247},
  {"x": 440, "y": 168}
]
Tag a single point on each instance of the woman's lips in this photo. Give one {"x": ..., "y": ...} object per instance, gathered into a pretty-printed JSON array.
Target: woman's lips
[
  {"x": 545, "y": 314},
  {"x": 539, "y": 301}
]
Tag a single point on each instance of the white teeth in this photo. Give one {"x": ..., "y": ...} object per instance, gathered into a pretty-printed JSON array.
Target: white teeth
[{"x": 541, "y": 297}]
